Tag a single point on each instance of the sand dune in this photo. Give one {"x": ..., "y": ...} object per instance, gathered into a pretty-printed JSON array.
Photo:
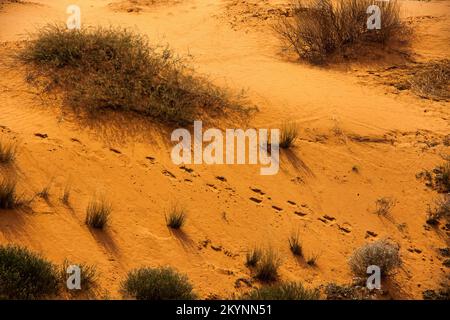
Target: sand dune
[{"x": 350, "y": 116}]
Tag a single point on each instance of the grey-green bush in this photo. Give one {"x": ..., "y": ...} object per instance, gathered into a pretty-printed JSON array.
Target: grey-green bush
[
  {"x": 382, "y": 253},
  {"x": 162, "y": 283},
  {"x": 26, "y": 275},
  {"x": 112, "y": 68}
]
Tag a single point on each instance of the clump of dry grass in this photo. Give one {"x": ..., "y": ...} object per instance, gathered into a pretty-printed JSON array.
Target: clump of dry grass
[
  {"x": 176, "y": 217},
  {"x": 382, "y": 253},
  {"x": 267, "y": 267},
  {"x": 283, "y": 291},
  {"x": 432, "y": 80},
  {"x": 111, "y": 68},
  {"x": 8, "y": 195},
  {"x": 295, "y": 244},
  {"x": 252, "y": 257},
  {"x": 440, "y": 210},
  {"x": 98, "y": 213},
  {"x": 163, "y": 283},
  {"x": 319, "y": 28},
  {"x": 288, "y": 135},
  {"x": 88, "y": 276},
  {"x": 312, "y": 259},
  {"x": 8, "y": 150},
  {"x": 45, "y": 192},
  {"x": 383, "y": 206}
]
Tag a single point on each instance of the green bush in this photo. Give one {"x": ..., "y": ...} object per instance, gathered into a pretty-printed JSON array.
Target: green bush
[
  {"x": 111, "y": 68},
  {"x": 157, "y": 284},
  {"x": 26, "y": 275},
  {"x": 283, "y": 291}
]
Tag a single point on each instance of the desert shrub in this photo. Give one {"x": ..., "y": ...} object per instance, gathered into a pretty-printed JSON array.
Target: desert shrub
[
  {"x": 288, "y": 135},
  {"x": 319, "y": 28},
  {"x": 295, "y": 244},
  {"x": 98, "y": 213},
  {"x": 283, "y": 291},
  {"x": 88, "y": 276},
  {"x": 252, "y": 257},
  {"x": 267, "y": 267},
  {"x": 8, "y": 195},
  {"x": 442, "y": 178},
  {"x": 442, "y": 293},
  {"x": 157, "y": 284},
  {"x": 441, "y": 209},
  {"x": 381, "y": 253},
  {"x": 26, "y": 275},
  {"x": 66, "y": 195},
  {"x": 111, "y": 68},
  {"x": 8, "y": 151},
  {"x": 383, "y": 206},
  {"x": 335, "y": 291},
  {"x": 432, "y": 80},
  {"x": 176, "y": 217},
  {"x": 45, "y": 192},
  {"x": 312, "y": 258}
]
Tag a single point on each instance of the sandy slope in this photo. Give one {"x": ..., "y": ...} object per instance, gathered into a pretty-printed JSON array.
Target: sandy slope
[{"x": 334, "y": 109}]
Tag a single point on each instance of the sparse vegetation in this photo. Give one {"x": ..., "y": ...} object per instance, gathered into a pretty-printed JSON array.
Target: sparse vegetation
[
  {"x": 111, "y": 68},
  {"x": 438, "y": 178},
  {"x": 318, "y": 29},
  {"x": 382, "y": 253},
  {"x": 8, "y": 151},
  {"x": 335, "y": 291},
  {"x": 432, "y": 80},
  {"x": 45, "y": 192},
  {"x": 252, "y": 257},
  {"x": 440, "y": 210},
  {"x": 176, "y": 217},
  {"x": 383, "y": 206},
  {"x": 312, "y": 259},
  {"x": 442, "y": 177},
  {"x": 283, "y": 291},
  {"x": 157, "y": 284},
  {"x": 288, "y": 135},
  {"x": 8, "y": 196},
  {"x": 295, "y": 244},
  {"x": 441, "y": 293},
  {"x": 66, "y": 195},
  {"x": 26, "y": 275},
  {"x": 88, "y": 276},
  {"x": 98, "y": 213},
  {"x": 267, "y": 267}
]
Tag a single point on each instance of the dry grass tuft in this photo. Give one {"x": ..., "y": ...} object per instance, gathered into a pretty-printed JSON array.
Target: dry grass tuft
[
  {"x": 381, "y": 253},
  {"x": 432, "y": 80},
  {"x": 98, "y": 213}
]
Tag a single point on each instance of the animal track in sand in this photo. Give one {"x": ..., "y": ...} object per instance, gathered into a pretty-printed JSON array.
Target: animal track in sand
[
  {"x": 256, "y": 200},
  {"x": 168, "y": 174}
]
